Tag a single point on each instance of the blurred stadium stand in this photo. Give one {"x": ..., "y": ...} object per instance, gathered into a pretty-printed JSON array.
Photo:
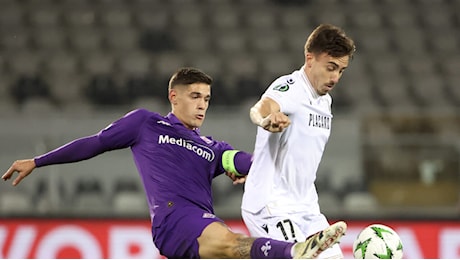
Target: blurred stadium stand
[{"x": 69, "y": 67}]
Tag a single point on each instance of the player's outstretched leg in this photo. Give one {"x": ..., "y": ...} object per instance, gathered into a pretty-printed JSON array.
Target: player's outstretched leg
[{"x": 320, "y": 241}]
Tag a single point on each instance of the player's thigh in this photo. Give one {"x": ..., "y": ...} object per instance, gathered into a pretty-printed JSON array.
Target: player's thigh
[
  {"x": 177, "y": 236},
  {"x": 265, "y": 224},
  {"x": 218, "y": 241}
]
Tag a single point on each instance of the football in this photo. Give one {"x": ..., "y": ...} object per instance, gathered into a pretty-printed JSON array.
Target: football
[{"x": 378, "y": 241}]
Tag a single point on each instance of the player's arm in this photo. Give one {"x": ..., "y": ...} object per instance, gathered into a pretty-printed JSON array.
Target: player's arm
[
  {"x": 119, "y": 134},
  {"x": 77, "y": 150},
  {"x": 266, "y": 114},
  {"x": 236, "y": 165}
]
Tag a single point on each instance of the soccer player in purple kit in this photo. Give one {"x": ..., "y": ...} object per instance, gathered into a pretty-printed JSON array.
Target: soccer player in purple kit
[{"x": 177, "y": 165}]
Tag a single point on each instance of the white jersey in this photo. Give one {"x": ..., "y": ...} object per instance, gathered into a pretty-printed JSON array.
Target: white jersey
[{"x": 284, "y": 169}]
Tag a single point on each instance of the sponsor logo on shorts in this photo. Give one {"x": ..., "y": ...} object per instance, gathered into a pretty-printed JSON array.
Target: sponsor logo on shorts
[{"x": 266, "y": 247}]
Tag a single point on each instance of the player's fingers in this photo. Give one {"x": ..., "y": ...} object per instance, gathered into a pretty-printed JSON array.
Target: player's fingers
[
  {"x": 18, "y": 179},
  {"x": 240, "y": 180},
  {"x": 232, "y": 176},
  {"x": 8, "y": 173}
]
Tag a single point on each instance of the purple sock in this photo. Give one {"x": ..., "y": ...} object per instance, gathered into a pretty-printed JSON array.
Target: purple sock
[{"x": 270, "y": 248}]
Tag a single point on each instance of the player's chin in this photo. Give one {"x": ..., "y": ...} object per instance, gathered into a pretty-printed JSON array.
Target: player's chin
[
  {"x": 198, "y": 122},
  {"x": 326, "y": 90}
]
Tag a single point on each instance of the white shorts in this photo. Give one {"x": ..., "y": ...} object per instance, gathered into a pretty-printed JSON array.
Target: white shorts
[{"x": 291, "y": 227}]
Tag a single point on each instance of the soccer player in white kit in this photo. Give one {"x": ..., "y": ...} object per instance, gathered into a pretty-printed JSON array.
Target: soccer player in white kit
[{"x": 294, "y": 114}]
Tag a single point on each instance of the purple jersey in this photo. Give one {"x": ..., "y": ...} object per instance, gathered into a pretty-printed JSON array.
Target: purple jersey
[{"x": 171, "y": 159}]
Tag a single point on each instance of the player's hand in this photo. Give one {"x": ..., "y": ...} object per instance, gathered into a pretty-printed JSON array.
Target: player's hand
[
  {"x": 275, "y": 122},
  {"x": 236, "y": 179},
  {"x": 23, "y": 167}
]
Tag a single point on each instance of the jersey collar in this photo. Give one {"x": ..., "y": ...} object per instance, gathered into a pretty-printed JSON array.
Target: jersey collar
[
  {"x": 175, "y": 121},
  {"x": 308, "y": 84}
]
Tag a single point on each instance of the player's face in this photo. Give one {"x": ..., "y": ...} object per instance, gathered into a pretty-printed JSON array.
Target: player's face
[
  {"x": 190, "y": 103},
  {"x": 324, "y": 71}
]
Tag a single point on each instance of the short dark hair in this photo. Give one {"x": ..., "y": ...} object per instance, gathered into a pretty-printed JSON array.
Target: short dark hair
[
  {"x": 187, "y": 76},
  {"x": 330, "y": 39}
]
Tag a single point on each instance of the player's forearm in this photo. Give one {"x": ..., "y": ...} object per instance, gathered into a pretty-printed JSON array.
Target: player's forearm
[
  {"x": 258, "y": 116},
  {"x": 237, "y": 162},
  {"x": 77, "y": 150},
  {"x": 243, "y": 162}
]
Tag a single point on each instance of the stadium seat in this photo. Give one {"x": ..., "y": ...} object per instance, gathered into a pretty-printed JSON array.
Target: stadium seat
[
  {"x": 297, "y": 20},
  {"x": 294, "y": 39},
  {"x": 331, "y": 16},
  {"x": 436, "y": 17},
  {"x": 224, "y": 18},
  {"x": 241, "y": 65},
  {"x": 209, "y": 63},
  {"x": 259, "y": 19},
  {"x": 442, "y": 44},
  {"x": 383, "y": 66},
  {"x": 44, "y": 16},
  {"x": 83, "y": 40},
  {"x": 97, "y": 62},
  {"x": 430, "y": 89},
  {"x": 29, "y": 86},
  {"x": 115, "y": 16},
  {"x": 230, "y": 42},
  {"x": 67, "y": 88},
  {"x": 102, "y": 90},
  {"x": 409, "y": 41},
  {"x": 49, "y": 39},
  {"x": 121, "y": 39},
  {"x": 188, "y": 17},
  {"x": 373, "y": 41},
  {"x": 77, "y": 15},
  {"x": 279, "y": 63},
  {"x": 400, "y": 18},
  {"x": 24, "y": 62},
  {"x": 17, "y": 39},
  {"x": 264, "y": 42},
  {"x": 152, "y": 19},
  {"x": 61, "y": 62},
  {"x": 393, "y": 91},
  {"x": 365, "y": 19},
  {"x": 12, "y": 16},
  {"x": 166, "y": 63},
  {"x": 193, "y": 41},
  {"x": 134, "y": 63}
]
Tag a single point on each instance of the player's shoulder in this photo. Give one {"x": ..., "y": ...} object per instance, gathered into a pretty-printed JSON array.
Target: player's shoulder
[
  {"x": 287, "y": 80},
  {"x": 142, "y": 114},
  {"x": 286, "y": 85}
]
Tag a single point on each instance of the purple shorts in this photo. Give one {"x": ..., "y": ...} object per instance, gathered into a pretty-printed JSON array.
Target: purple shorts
[{"x": 176, "y": 236}]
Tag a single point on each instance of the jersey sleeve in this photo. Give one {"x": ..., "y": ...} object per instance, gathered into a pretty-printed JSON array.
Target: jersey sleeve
[
  {"x": 120, "y": 134},
  {"x": 123, "y": 132},
  {"x": 233, "y": 160},
  {"x": 281, "y": 91}
]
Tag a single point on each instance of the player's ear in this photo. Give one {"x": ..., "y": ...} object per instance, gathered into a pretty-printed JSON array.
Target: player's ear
[
  {"x": 309, "y": 57},
  {"x": 172, "y": 95}
]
